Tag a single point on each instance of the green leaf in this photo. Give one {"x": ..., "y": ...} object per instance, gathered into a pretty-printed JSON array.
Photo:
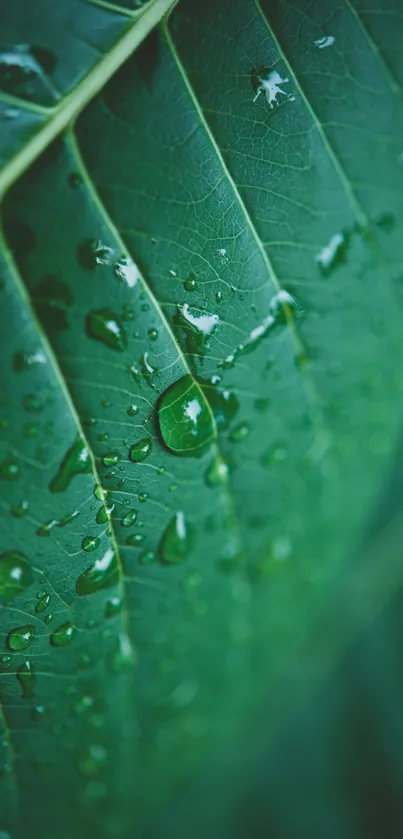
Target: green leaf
[{"x": 201, "y": 358}]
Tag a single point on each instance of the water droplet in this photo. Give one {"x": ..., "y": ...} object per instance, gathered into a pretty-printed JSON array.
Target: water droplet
[
  {"x": 197, "y": 328},
  {"x": 333, "y": 254},
  {"x": 184, "y": 418},
  {"x": 152, "y": 334},
  {"x": 176, "y": 539},
  {"x": 20, "y": 638},
  {"x": 142, "y": 496},
  {"x": 21, "y": 65},
  {"x": 240, "y": 432},
  {"x": 129, "y": 518},
  {"x": 69, "y": 517},
  {"x": 125, "y": 655},
  {"x": 135, "y": 539},
  {"x": 105, "y": 326},
  {"x": 90, "y": 543},
  {"x": 113, "y": 607},
  {"x": 140, "y": 450},
  {"x": 132, "y": 410},
  {"x": 37, "y": 714},
  {"x": 281, "y": 305},
  {"x": 127, "y": 271},
  {"x": 147, "y": 370},
  {"x": 76, "y": 462},
  {"x": 276, "y": 454},
  {"x": 26, "y": 678},
  {"x": 326, "y": 41},
  {"x": 93, "y": 252},
  {"x": 268, "y": 81},
  {"x": 24, "y": 361},
  {"x": 102, "y": 574},
  {"x": 147, "y": 557},
  {"x": 15, "y": 574},
  {"x": 111, "y": 459},
  {"x": 42, "y": 604},
  {"x": 32, "y": 403},
  {"x": 20, "y": 510},
  {"x": 223, "y": 404},
  {"x": 217, "y": 472},
  {"x": 63, "y": 635},
  {"x": 74, "y": 180},
  {"x": 9, "y": 470},
  {"x": 5, "y": 659},
  {"x": 190, "y": 282},
  {"x": 172, "y": 272},
  {"x": 30, "y": 430},
  {"x": 99, "y": 492},
  {"x": 48, "y": 619},
  {"x": 104, "y": 512},
  {"x": 44, "y": 529},
  {"x": 218, "y": 296}
]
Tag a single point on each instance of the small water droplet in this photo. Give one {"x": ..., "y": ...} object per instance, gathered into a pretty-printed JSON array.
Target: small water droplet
[
  {"x": 5, "y": 659},
  {"x": 218, "y": 296},
  {"x": 9, "y": 470},
  {"x": 333, "y": 254},
  {"x": 42, "y": 604},
  {"x": 184, "y": 418},
  {"x": 140, "y": 451},
  {"x": 74, "y": 180},
  {"x": 142, "y": 496},
  {"x": 152, "y": 334},
  {"x": 276, "y": 454},
  {"x": 104, "y": 512},
  {"x": 48, "y": 619},
  {"x": 20, "y": 510},
  {"x": 44, "y": 529},
  {"x": 93, "y": 252},
  {"x": 113, "y": 607},
  {"x": 147, "y": 557},
  {"x": 326, "y": 41},
  {"x": 69, "y": 517},
  {"x": 32, "y": 403},
  {"x": 19, "y": 639},
  {"x": 105, "y": 326},
  {"x": 124, "y": 655},
  {"x": 217, "y": 472},
  {"x": 111, "y": 459},
  {"x": 90, "y": 543},
  {"x": 37, "y": 714},
  {"x": 26, "y": 678},
  {"x": 126, "y": 271},
  {"x": 196, "y": 328},
  {"x": 132, "y": 410},
  {"x": 30, "y": 430},
  {"x": 190, "y": 282},
  {"x": 268, "y": 81},
  {"x": 240, "y": 432},
  {"x": 176, "y": 540},
  {"x": 148, "y": 370},
  {"x": 135, "y": 539},
  {"x": 102, "y": 574},
  {"x": 63, "y": 635},
  {"x": 129, "y": 518},
  {"x": 77, "y": 461},
  {"x": 24, "y": 361},
  {"x": 172, "y": 272},
  {"x": 15, "y": 574}
]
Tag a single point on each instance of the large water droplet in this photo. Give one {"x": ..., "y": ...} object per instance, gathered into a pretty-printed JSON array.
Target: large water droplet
[
  {"x": 15, "y": 574},
  {"x": 76, "y": 462},
  {"x": 90, "y": 543},
  {"x": 102, "y": 574},
  {"x": 176, "y": 539},
  {"x": 26, "y": 678},
  {"x": 140, "y": 450},
  {"x": 105, "y": 326},
  {"x": 20, "y": 638},
  {"x": 223, "y": 403},
  {"x": 111, "y": 459},
  {"x": 184, "y": 418},
  {"x": 127, "y": 271},
  {"x": 63, "y": 635}
]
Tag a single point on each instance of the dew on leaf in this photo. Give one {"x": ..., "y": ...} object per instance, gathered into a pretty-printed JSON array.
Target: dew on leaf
[
  {"x": 142, "y": 496},
  {"x": 37, "y": 714},
  {"x": 21, "y": 65},
  {"x": 15, "y": 574},
  {"x": 26, "y": 678},
  {"x": 113, "y": 607},
  {"x": 152, "y": 334},
  {"x": 48, "y": 619},
  {"x": 92, "y": 252},
  {"x": 281, "y": 304},
  {"x": 223, "y": 403},
  {"x": 276, "y": 454},
  {"x": 42, "y": 604},
  {"x": 63, "y": 635},
  {"x": 9, "y": 470},
  {"x": 132, "y": 410},
  {"x": 20, "y": 510},
  {"x": 240, "y": 432},
  {"x": 333, "y": 254},
  {"x": 196, "y": 327},
  {"x": 30, "y": 430},
  {"x": 176, "y": 540},
  {"x": 148, "y": 370},
  {"x": 111, "y": 459},
  {"x": 325, "y": 41},
  {"x": 24, "y": 361},
  {"x": 20, "y": 638},
  {"x": 135, "y": 539},
  {"x": 103, "y": 513},
  {"x": 105, "y": 326},
  {"x": 45, "y": 529},
  {"x": 126, "y": 271},
  {"x": 69, "y": 517},
  {"x": 32, "y": 403},
  {"x": 185, "y": 421},
  {"x": 140, "y": 451},
  {"x": 124, "y": 655},
  {"x": 129, "y": 518},
  {"x": 190, "y": 282},
  {"x": 76, "y": 462},
  {"x": 268, "y": 81},
  {"x": 102, "y": 574},
  {"x": 147, "y": 557},
  {"x": 217, "y": 472},
  {"x": 90, "y": 543}
]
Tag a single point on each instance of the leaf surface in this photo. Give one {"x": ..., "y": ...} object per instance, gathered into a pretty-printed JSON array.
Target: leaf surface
[{"x": 202, "y": 280}]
